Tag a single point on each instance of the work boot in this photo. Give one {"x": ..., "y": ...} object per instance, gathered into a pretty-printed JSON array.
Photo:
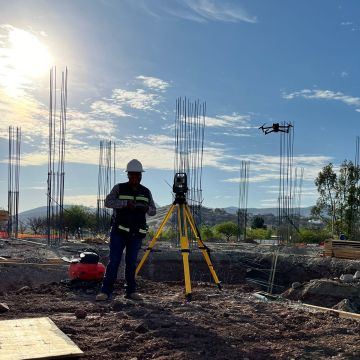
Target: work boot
[
  {"x": 102, "y": 297},
  {"x": 134, "y": 296}
]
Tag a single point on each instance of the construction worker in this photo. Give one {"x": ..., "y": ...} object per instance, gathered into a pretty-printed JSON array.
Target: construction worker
[{"x": 130, "y": 202}]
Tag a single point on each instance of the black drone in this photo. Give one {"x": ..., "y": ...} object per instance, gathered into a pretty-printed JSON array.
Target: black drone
[{"x": 275, "y": 128}]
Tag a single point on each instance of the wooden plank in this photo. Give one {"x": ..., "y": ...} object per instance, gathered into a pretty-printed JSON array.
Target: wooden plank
[
  {"x": 347, "y": 254},
  {"x": 345, "y": 242},
  {"x": 34, "y": 338},
  {"x": 32, "y": 264},
  {"x": 51, "y": 261},
  {"x": 342, "y": 314},
  {"x": 343, "y": 249}
]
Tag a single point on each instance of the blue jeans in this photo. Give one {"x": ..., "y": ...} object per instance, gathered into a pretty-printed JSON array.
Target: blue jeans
[{"x": 118, "y": 242}]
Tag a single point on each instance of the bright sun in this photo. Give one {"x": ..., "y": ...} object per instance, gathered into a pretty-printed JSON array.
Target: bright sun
[{"x": 27, "y": 58}]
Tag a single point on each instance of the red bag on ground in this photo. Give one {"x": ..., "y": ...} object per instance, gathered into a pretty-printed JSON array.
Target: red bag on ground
[
  {"x": 87, "y": 267},
  {"x": 86, "y": 272}
]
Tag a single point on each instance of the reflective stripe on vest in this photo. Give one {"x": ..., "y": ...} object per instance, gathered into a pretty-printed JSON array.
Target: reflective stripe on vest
[
  {"x": 124, "y": 228},
  {"x": 136, "y": 198},
  {"x": 141, "y": 231},
  {"x": 142, "y": 198},
  {"x": 126, "y": 197}
]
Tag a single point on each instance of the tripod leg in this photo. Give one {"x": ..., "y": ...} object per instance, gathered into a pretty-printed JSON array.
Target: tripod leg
[
  {"x": 185, "y": 251},
  {"x": 154, "y": 239},
  {"x": 204, "y": 249}
]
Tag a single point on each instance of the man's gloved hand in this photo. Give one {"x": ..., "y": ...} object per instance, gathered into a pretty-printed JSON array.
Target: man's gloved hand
[{"x": 142, "y": 207}]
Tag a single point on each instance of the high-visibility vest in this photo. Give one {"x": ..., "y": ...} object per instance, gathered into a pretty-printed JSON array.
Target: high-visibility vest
[{"x": 132, "y": 222}]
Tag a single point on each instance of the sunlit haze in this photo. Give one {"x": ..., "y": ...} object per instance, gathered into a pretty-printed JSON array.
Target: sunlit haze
[{"x": 25, "y": 58}]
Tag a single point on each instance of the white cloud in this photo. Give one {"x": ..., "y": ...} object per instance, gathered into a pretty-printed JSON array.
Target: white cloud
[
  {"x": 85, "y": 200},
  {"x": 200, "y": 11},
  {"x": 308, "y": 196},
  {"x": 269, "y": 203},
  {"x": 138, "y": 99},
  {"x": 266, "y": 168},
  {"x": 34, "y": 158},
  {"x": 219, "y": 11},
  {"x": 153, "y": 83},
  {"x": 153, "y": 154},
  {"x": 104, "y": 108},
  {"x": 161, "y": 139},
  {"x": 27, "y": 113},
  {"x": 232, "y": 134},
  {"x": 237, "y": 120},
  {"x": 81, "y": 127},
  {"x": 323, "y": 95}
]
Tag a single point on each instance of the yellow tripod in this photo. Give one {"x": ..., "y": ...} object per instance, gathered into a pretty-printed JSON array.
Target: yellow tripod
[{"x": 184, "y": 218}]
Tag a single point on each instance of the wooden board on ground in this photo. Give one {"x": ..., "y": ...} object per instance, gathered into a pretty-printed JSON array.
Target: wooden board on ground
[
  {"x": 340, "y": 313},
  {"x": 51, "y": 261},
  {"x": 34, "y": 338},
  {"x": 344, "y": 249}
]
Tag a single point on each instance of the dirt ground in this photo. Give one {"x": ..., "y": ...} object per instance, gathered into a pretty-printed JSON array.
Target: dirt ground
[{"x": 229, "y": 324}]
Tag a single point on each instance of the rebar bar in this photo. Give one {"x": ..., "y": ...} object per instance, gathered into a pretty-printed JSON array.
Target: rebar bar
[
  {"x": 189, "y": 150},
  {"x": 13, "y": 181},
  {"x": 106, "y": 180},
  {"x": 243, "y": 199},
  {"x": 56, "y": 159}
]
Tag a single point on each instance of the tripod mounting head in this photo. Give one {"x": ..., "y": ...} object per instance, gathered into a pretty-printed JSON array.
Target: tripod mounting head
[{"x": 180, "y": 187}]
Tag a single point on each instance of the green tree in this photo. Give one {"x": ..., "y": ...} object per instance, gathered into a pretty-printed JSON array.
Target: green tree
[
  {"x": 339, "y": 197},
  {"x": 227, "y": 228},
  {"x": 260, "y": 234},
  {"x": 206, "y": 232},
  {"x": 258, "y": 222},
  {"x": 168, "y": 234},
  {"x": 313, "y": 236},
  {"x": 78, "y": 217}
]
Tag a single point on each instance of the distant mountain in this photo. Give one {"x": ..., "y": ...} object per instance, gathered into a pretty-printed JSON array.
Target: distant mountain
[
  {"x": 305, "y": 211},
  {"x": 36, "y": 212},
  {"x": 209, "y": 216},
  {"x": 39, "y": 212}
]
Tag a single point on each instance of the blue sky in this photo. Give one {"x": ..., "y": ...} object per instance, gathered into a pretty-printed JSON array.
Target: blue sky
[{"x": 253, "y": 62}]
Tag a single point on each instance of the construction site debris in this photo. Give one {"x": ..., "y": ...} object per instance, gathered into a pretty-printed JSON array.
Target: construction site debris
[
  {"x": 347, "y": 278},
  {"x": 231, "y": 325},
  {"x": 4, "y": 308},
  {"x": 326, "y": 293},
  {"x": 227, "y": 324}
]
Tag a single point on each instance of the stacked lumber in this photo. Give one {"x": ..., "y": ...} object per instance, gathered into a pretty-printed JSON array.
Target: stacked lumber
[
  {"x": 4, "y": 216},
  {"x": 344, "y": 249}
]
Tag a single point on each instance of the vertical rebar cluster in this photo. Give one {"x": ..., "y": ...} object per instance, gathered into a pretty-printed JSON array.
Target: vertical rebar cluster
[
  {"x": 355, "y": 211},
  {"x": 189, "y": 149},
  {"x": 106, "y": 180},
  {"x": 290, "y": 188},
  {"x": 13, "y": 180},
  {"x": 56, "y": 159},
  {"x": 243, "y": 199}
]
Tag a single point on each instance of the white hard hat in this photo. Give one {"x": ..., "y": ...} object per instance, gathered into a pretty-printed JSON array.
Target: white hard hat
[{"x": 134, "y": 166}]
